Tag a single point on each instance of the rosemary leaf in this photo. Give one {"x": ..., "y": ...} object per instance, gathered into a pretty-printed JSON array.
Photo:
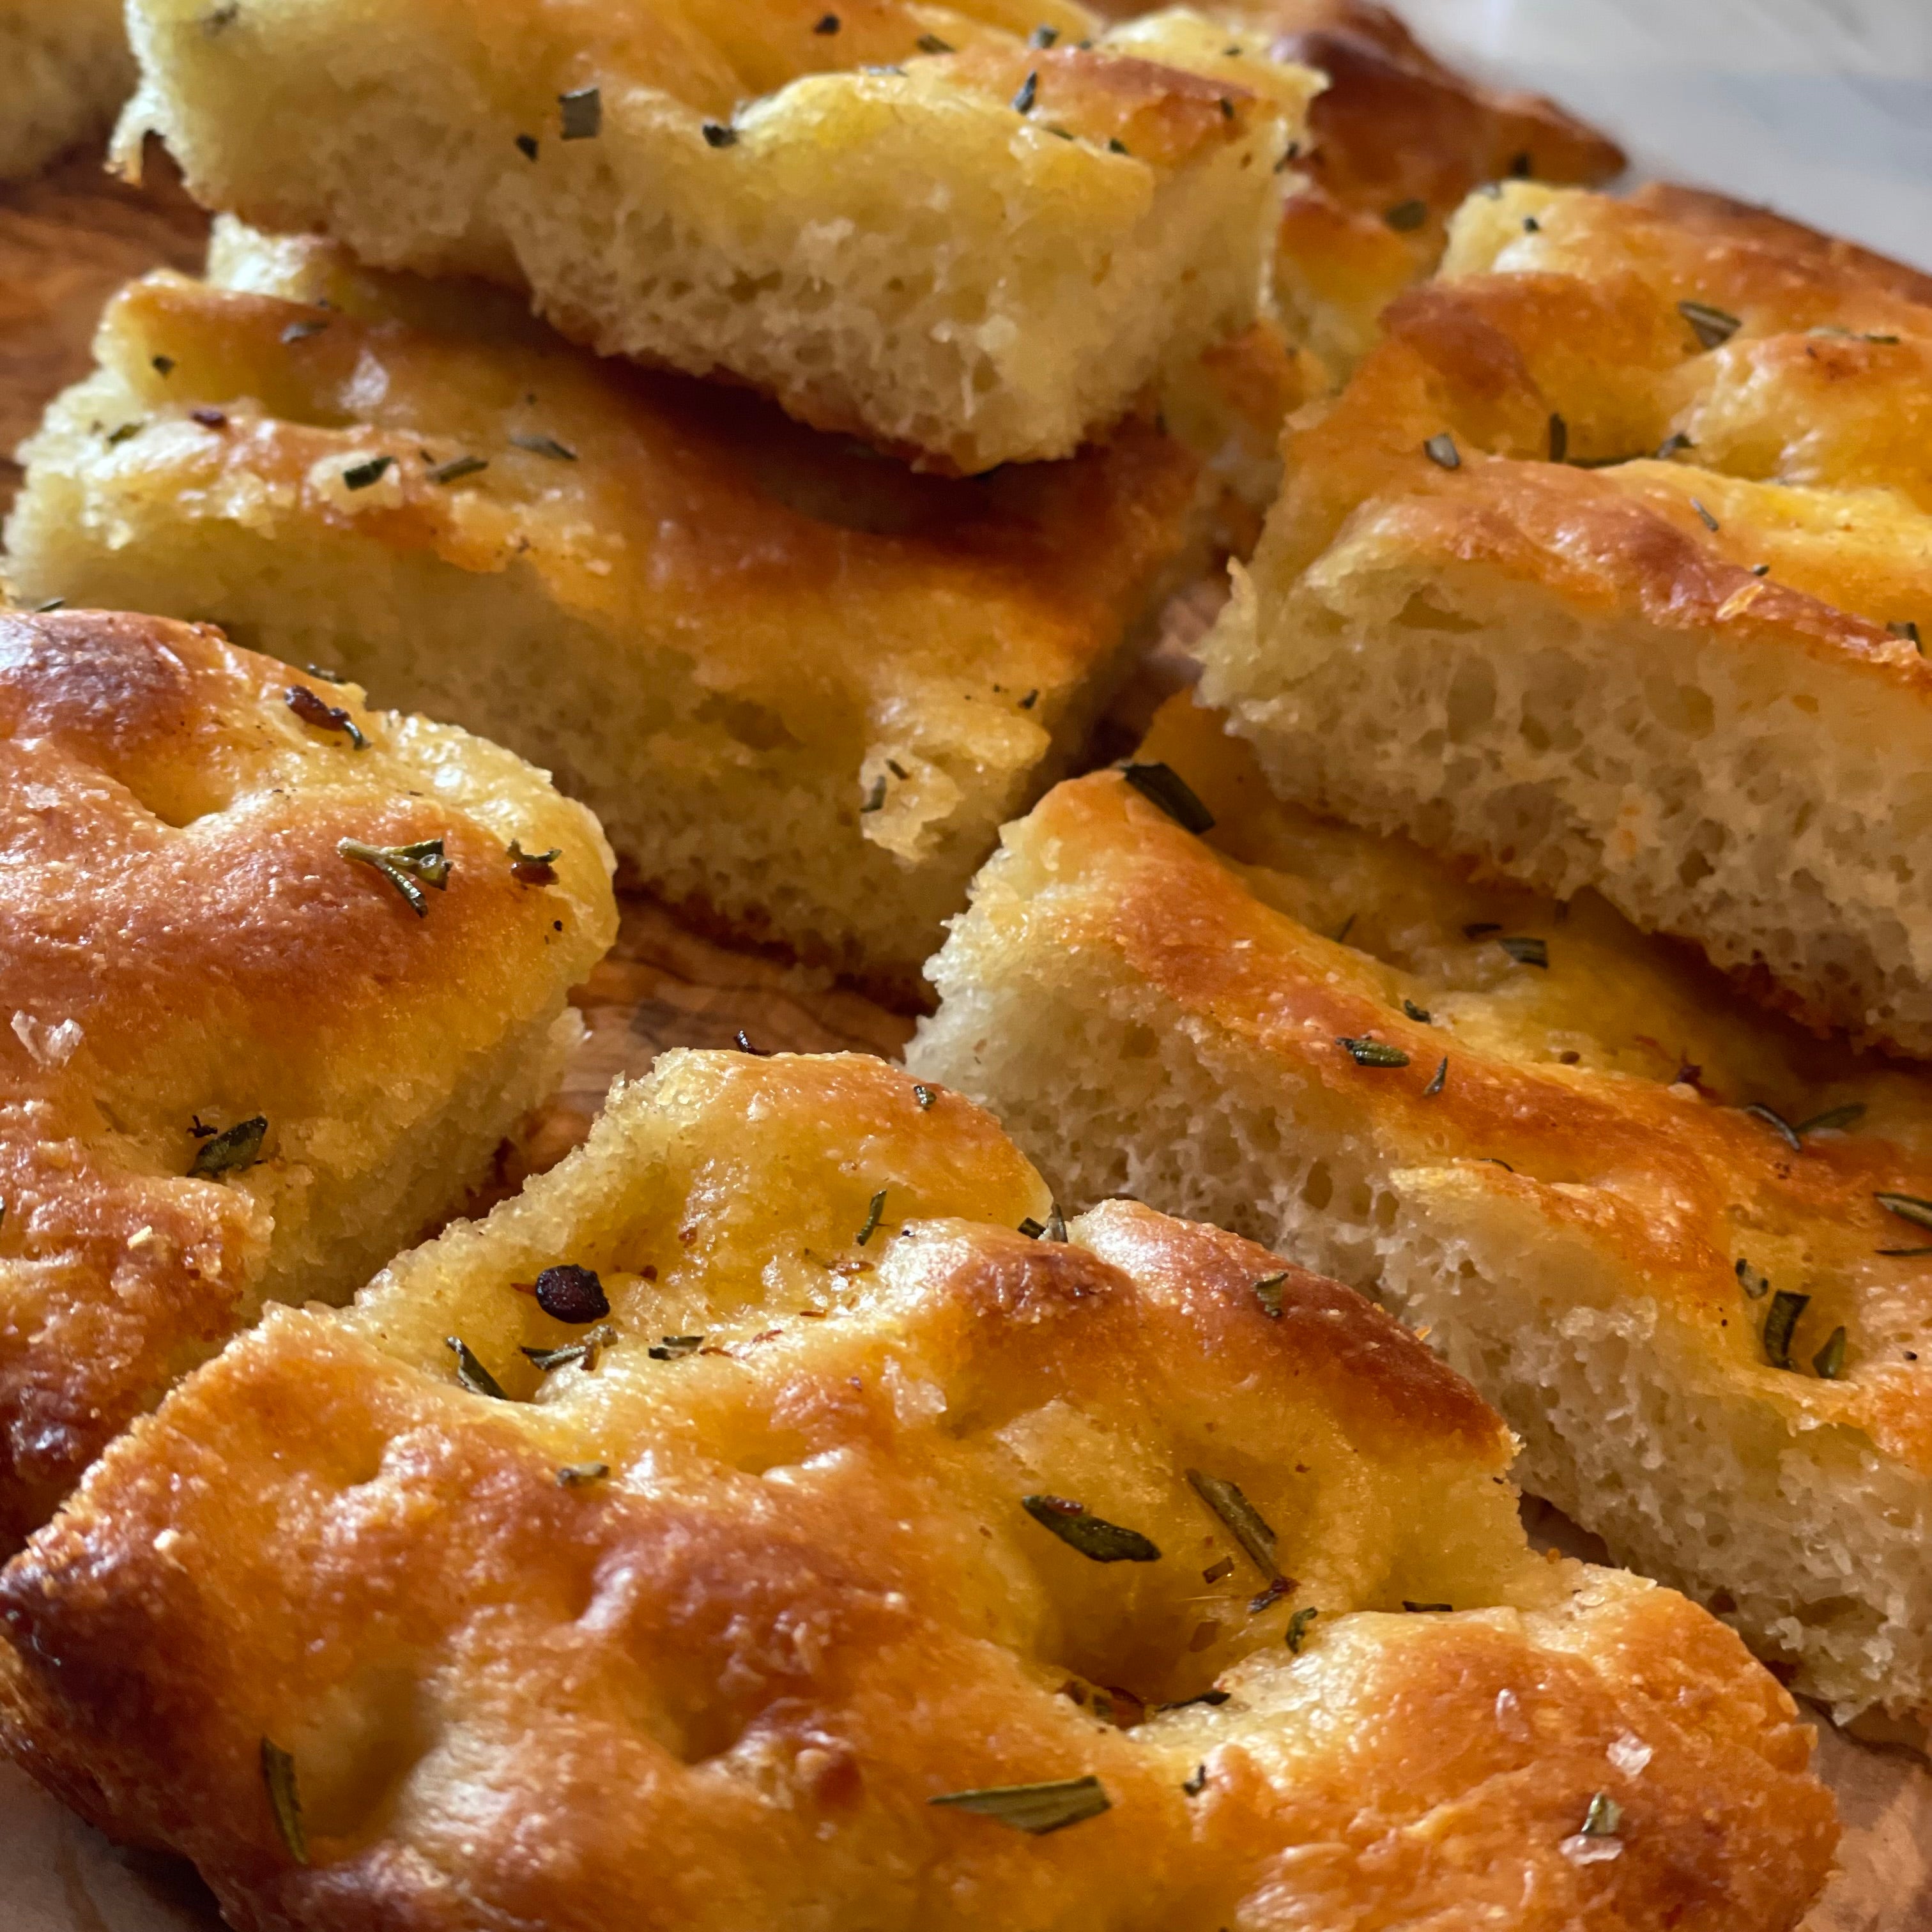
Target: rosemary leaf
[
  {"x": 1777, "y": 1123},
  {"x": 675, "y": 1348},
  {"x": 1097, "y": 1539},
  {"x": 237, "y": 1147},
  {"x": 1422, "y": 1608},
  {"x": 312, "y": 708},
  {"x": 582, "y": 113},
  {"x": 1441, "y": 450},
  {"x": 278, "y": 1780},
  {"x": 574, "y": 1475},
  {"x": 1756, "y": 1284},
  {"x": 1297, "y": 1628},
  {"x": 1023, "y": 101},
  {"x": 1780, "y": 1318},
  {"x": 872, "y": 1213},
  {"x": 457, "y": 468},
  {"x": 364, "y": 476},
  {"x": 717, "y": 135},
  {"x": 1365, "y": 1052},
  {"x": 1437, "y": 1080},
  {"x": 1829, "y": 1361},
  {"x": 544, "y": 446},
  {"x": 403, "y": 865},
  {"x": 1713, "y": 327},
  {"x": 1421, "y": 1014},
  {"x": 922, "y": 1094},
  {"x": 470, "y": 1373},
  {"x": 1559, "y": 438},
  {"x": 1831, "y": 1117},
  {"x": 1603, "y": 1817},
  {"x": 1267, "y": 1292},
  {"x": 1245, "y": 1523},
  {"x": 1406, "y": 217},
  {"x": 1035, "y": 1808},
  {"x": 1527, "y": 952},
  {"x": 1162, "y": 785},
  {"x": 534, "y": 868},
  {"x": 1907, "y": 1207}
]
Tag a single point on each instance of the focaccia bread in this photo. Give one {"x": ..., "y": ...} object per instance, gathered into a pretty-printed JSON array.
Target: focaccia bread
[
  {"x": 1680, "y": 1244},
  {"x": 964, "y": 240},
  {"x": 802, "y": 687},
  {"x": 1612, "y": 567},
  {"x": 276, "y": 984},
  {"x": 778, "y": 1517},
  {"x": 64, "y": 70}
]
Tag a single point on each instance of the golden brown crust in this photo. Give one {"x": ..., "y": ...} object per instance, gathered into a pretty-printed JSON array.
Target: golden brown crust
[
  {"x": 181, "y": 939},
  {"x": 805, "y": 1601}
]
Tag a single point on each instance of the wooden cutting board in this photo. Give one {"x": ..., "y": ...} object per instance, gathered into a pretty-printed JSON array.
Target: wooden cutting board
[{"x": 67, "y": 242}]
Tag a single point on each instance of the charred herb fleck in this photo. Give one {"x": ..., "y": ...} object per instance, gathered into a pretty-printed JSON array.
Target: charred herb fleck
[{"x": 312, "y": 708}]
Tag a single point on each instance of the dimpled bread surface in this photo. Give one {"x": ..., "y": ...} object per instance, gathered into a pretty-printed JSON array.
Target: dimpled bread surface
[
  {"x": 1523, "y": 1126},
  {"x": 184, "y": 950},
  {"x": 801, "y": 687},
  {"x": 1681, "y": 665},
  {"x": 928, "y": 225},
  {"x": 692, "y": 1632}
]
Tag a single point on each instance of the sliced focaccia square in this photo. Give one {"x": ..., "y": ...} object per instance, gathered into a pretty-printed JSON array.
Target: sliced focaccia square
[
  {"x": 1680, "y": 1244},
  {"x": 927, "y": 226},
  {"x": 801, "y": 686},
  {"x": 280, "y": 971},
  {"x": 780, "y": 1498},
  {"x": 1612, "y": 567},
  {"x": 66, "y": 70}
]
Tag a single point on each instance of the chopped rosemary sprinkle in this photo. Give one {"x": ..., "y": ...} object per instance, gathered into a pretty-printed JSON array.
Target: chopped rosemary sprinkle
[
  {"x": 569, "y": 1293},
  {"x": 163, "y": 365},
  {"x": 278, "y": 1780},
  {"x": 1042, "y": 38},
  {"x": 1527, "y": 952},
  {"x": 1297, "y": 1628},
  {"x": 1422, "y": 1609},
  {"x": 1245, "y": 1523},
  {"x": 1115, "y": 145},
  {"x": 585, "y": 1351},
  {"x": 922, "y": 1094},
  {"x": 717, "y": 135},
  {"x": 301, "y": 332},
  {"x": 1477, "y": 928},
  {"x": 1267, "y": 1292},
  {"x": 1094, "y": 1537},
  {"x": 1162, "y": 785},
  {"x": 1365, "y": 1052},
  {"x": 526, "y": 146},
  {"x": 1829, "y": 1361},
  {"x": 931, "y": 43},
  {"x": 1214, "y": 1699},
  {"x": 1032, "y": 697},
  {"x": 361, "y": 475},
  {"x": 312, "y": 708},
  {"x": 209, "y": 418},
  {"x": 1441, "y": 450},
  {"x": 403, "y": 865},
  {"x": 470, "y": 1373},
  {"x": 1755, "y": 1284},
  {"x": 1559, "y": 438},
  {"x": 1909, "y": 630},
  {"x": 1407, "y": 216},
  {"x": 1704, "y": 517},
  {"x": 234, "y": 1147},
  {"x": 1036, "y": 1808},
  {"x": 876, "y": 797},
  {"x": 1780, "y": 1318},
  {"x": 574, "y": 1475},
  {"x": 1437, "y": 1080},
  {"x": 52, "y": 603},
  {"x": 1777, "y": 1123},
  {"x": 1713, "y": 327},
  {"x": 122, "y": 433},
  {"x": 1832, "y": 1117},
  {"x": 534, "y": 868},
  {"x": 1676, "y": 441},
  {"x": 1196, "y": 1782},
  {"x": 1603, "y": 1817},
  {"x": 582, "y": 113},
  {"x": 872, "y": 1213},
  {"x": 457, "y": 468},
  {"x": 545, "y": 446},
  {"x": 827, "y": 23},
  {"x": 1227, "y": 108},
  {"x": 1023, "y": 101},
  {"x": 1907, "y": 1207},
  {"x": 1419, "y": 1014},
  {"x": 675, "y": 1348},
  {"x": 1218, "y": 1572}
]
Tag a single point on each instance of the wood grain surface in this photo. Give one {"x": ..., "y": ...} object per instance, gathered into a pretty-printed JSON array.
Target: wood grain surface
[{"x": 66, "y": 242}]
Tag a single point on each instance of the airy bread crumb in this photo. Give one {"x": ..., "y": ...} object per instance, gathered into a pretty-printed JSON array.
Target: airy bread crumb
[
  {"x": 970, "y": 247},
  {"x": 801, "y": 687},
  {"x": 1563, "y": 1150}
]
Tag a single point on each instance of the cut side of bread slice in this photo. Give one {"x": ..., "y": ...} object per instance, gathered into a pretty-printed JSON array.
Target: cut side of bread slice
[
  {"x": 975, "y": 247},
  {"x": 781, "y": 1481},
  {"x": 64, "y": 72},
  {"x": 1680, "y": 1244},
  {"x": 276, "y": 987},
  {"x": 801, "y": 686},
  {"x": 1611, "y": 568}
]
